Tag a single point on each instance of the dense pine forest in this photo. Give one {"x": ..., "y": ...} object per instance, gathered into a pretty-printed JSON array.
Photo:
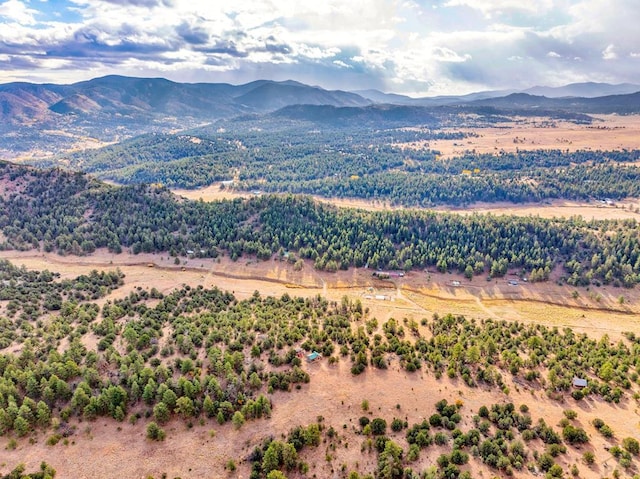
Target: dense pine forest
[
  {"x": 354, "y": 162},
  {"x": 70, "y": 213}
]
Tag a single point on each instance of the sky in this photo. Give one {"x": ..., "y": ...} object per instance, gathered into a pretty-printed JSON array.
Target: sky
[{"x": 414, "y": 47}]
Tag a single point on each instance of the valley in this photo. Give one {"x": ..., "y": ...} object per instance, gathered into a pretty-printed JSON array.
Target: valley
[{"x": 339, "y": 288}]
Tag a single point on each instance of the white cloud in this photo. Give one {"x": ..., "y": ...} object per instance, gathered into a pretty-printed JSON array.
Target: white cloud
[
  {"x": 444, "y": 54},
  {"x": 491, "y": 7},
  {"x": 452, "y": 47},
  {"x": 609, "y": 53},
  {"x": 17, "y": 11}
]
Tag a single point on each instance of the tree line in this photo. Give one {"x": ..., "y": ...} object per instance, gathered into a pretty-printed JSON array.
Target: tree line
[{"x": 73, "y": 214}]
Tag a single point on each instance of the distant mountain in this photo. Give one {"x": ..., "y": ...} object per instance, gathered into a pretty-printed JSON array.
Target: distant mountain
[
  {"x": 379, "y": 115},
  {"x": 392, "y": 98},
  {"x": 116, "y": 100},
  {"x": 147, "y": 99},
  {"x": 584, "y": 90},
  {"x": 27, "y": 102},
  {"x": 621, "y": 104},
  {"x": 377, "y": 96},
  {"x": 273, "y": 95},
  {"x": 39, "y": 119}
]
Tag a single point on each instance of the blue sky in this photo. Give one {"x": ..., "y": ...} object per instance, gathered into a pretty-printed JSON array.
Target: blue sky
[{"x": 415, "y": 47}]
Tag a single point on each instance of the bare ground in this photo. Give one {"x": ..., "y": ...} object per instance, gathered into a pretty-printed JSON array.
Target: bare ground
[
  {"x": 419, "y": 294},
  {"x": 105, "y": 449}
]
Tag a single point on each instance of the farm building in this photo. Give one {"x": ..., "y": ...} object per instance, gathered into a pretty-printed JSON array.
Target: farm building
[
  {"x": 579, "y": 382},
  {"x": 314, "y": 356},
  {"x": 388, "y": 274}
]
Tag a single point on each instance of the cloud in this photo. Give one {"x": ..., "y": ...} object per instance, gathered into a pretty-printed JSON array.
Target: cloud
[
  {"x": 408, "y": 46},
  {"x": 194, "y": 35},
  {"x": 500, "y": 8},
  {"x": 17, "y": 11},
  {"x": 609, "y": 53},
  {"x": 141, "y": 3},
  {"x": 444, "y": 54}
]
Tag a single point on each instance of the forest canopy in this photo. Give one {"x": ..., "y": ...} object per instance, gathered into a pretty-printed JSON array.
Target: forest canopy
[{"x": 71, "y": 213}]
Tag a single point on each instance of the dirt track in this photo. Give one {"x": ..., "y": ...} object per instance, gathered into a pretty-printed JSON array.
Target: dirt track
[{"x": 417, "y": 295}]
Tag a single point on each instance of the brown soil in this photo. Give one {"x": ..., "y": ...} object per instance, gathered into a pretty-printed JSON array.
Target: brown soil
[
  {"x": 419, "y": 294},
  {"x": 105, "y": 449}
]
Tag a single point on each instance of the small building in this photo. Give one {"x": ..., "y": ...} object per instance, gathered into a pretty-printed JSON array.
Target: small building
[
  {"x": 314, "y": 356},
  {"x": 579, "y": 382},
  {"x": 381, "y": 275},
  {"x": 388, "y": 274}
]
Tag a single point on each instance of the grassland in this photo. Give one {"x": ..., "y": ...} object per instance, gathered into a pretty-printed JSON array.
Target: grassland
[{"x": 333, "y": 393}]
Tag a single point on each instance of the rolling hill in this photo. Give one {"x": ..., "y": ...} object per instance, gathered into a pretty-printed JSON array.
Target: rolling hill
[{"x": 145, "y": 98}]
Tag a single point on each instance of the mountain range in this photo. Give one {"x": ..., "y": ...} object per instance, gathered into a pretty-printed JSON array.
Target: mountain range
[
  {"x": 39, "y": 119},
  {"x": 146, "y": 99},
  {"x": 581, "y": 90}
]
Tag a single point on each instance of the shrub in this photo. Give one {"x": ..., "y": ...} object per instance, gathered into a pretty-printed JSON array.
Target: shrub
[
  {"x": 155, "y": 432},
  {"x": 631, "y": 445},
  {"x": 397, "y": 424},
  {"x": 378, "y": 426},
  {"x": 589, "y": 458},
  {"x": 574, "y": 435}
]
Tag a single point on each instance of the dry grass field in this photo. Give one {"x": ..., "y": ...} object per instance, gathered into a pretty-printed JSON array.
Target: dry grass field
[
  {"x": 107, "y": 449},
  {"x": 607, "y": 132},
  {"x": 626, "y": 209},
  {"x": 419, "y": 294}
]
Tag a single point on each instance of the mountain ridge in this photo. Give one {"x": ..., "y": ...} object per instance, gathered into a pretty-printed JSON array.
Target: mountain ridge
[
  {"x": 39, "y": 119},
  {"x": 148, "y": 97}
]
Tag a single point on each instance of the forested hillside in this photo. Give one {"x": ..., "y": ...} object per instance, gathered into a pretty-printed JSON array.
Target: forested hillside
[
  {"x": 357, "y": 162},
  {"x": 73, "y": 214}
]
